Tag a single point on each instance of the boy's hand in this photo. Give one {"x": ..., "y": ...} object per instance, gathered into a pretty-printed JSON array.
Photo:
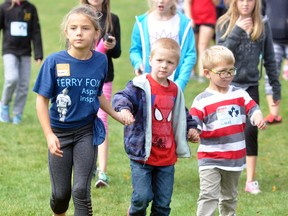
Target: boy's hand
[
  {"x": 54, "y": 145},
  {"x": 126, "y": 117},
  {"x": 259, "y": 121},
  {"x": 193, "y": 135},
  {"x": 261, "y": 124}
]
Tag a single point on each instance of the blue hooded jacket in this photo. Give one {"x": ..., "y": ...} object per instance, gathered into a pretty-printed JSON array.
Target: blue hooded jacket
[{"x": 140, "y": 48}]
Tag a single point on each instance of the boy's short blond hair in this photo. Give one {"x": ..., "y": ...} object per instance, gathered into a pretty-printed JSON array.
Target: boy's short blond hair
[
  {"x": 215, "y": 55},
  {"x": 166, "y": 43}
]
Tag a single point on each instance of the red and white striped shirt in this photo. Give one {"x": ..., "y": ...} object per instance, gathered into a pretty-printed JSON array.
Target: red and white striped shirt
[{"x": 222, "y": 119}]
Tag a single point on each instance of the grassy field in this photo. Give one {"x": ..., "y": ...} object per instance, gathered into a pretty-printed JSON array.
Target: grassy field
[{"x": 24, "y": 178}]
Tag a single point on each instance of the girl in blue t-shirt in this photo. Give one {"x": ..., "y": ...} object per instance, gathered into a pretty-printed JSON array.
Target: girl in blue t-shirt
[{"x": 72, "y": 81}]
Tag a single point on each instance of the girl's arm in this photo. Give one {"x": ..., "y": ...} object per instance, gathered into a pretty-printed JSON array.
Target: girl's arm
[
  {"x": 136, "y": 50},
  {"x": 189, "y": 60},
  {"x": 232, "y": 40},
  {"x": 270, "y": 64},
  {"x": 115, "y": 52},
  {"x": 43, "y": 116}
]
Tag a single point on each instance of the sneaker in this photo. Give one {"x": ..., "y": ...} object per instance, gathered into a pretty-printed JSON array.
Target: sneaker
[
  {"x": 252, "y": 187},
  {"x": 95, "y": 173},
  {"x": 17, "y": 119},
  {"x": 271, "y": 119},
  {"x": 4, "y": 113},
  {"x": 102, "y": 181}
]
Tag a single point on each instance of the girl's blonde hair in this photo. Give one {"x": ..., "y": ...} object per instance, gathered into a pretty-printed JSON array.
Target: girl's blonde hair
[
  {"x": 231, "y": 16},
  {"x": 105, "y": 9},
  {"x": 216, "y": 55},
  {"x": 87, "y": 11},
  {"x": 152, "y": 7}
]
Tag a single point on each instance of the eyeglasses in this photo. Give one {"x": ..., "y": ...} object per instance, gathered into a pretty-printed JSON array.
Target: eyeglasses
[{"x": 225, "y": 73}]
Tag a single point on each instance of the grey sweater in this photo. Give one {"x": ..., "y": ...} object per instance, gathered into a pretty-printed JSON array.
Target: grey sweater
[{"x": 247, "y": 57}]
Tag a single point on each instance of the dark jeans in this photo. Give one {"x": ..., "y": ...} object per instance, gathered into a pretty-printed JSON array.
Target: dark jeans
[{"x": 151, "y": 183}]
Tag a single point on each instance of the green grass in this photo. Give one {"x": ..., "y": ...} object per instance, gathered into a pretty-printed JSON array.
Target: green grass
[{"x": 24, "y": 177}]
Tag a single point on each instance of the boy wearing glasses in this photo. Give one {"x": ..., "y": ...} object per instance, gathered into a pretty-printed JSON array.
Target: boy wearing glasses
[{"x": 221, "y": 112}]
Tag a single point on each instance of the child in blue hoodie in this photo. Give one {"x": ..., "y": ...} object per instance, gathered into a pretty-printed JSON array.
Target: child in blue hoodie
[{"x": 163, "y": 20}]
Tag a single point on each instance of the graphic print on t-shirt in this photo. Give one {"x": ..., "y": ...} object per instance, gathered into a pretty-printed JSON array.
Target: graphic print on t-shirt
[
  {"x": 161, "y": 121},
  {"x": 63, "y": 101},
  {"x": 229, "y": 115}
]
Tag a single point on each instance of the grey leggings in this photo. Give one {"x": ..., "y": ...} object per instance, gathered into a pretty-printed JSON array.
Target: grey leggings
[{"x": 79, "y": 154}]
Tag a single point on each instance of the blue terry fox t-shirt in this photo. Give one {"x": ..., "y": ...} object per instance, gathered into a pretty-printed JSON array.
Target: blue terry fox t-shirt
[{"x": 73, "y": 87}]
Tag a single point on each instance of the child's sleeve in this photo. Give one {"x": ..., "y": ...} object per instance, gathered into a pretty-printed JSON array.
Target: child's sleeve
[
  {"x": 197, "y": 114},
  {"x": 36, "y": 37},
  {"x": 191, "y": 122},
  {"x": 46, "y": 79},
  {"x": 125, "y": 99},
  {"x": 136, "y": 48}
]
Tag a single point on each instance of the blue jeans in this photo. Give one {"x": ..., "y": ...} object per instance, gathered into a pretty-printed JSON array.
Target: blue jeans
[{"x": 151, "y": 183}]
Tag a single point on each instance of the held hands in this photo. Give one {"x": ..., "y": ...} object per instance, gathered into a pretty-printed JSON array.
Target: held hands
[
  {"x": 246, "y": 24},
  {"x": 126, "y": 117},
  {"x": 193, "y": 135},
  {"x": 54, "y": 145},
  {"x": 259, "y": 121}
]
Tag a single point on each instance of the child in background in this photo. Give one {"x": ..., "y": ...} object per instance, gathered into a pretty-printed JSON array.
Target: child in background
[
  {"x": 158, "y": 135},
  {"x": 203, "y": 16},
  {"x": 20, "y": 25},
  {"x": 221, "y": 114},
  {"x": 163, "y": 20},
  {"x": 72, "y": 80},
  {"x": 277, "y": 12},
  {"x": 248, "y": 36},
  {"x": 109, "y": 44}
]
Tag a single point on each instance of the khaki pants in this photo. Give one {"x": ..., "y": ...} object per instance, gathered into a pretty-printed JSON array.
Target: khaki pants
[{"x": 218, "y": 186}]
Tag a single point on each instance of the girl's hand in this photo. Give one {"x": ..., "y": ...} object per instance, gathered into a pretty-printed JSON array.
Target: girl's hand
[
  {"x": 38, "y": 62},
  {"x": 54, "y": 145},
  {"x": 246, "y": 24},
  {"x": 139, "y": 71},
  {"x": 110, "y": 45},
  {"x": 126, "y": 116},
  {"x": 276, "y": 103}
]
